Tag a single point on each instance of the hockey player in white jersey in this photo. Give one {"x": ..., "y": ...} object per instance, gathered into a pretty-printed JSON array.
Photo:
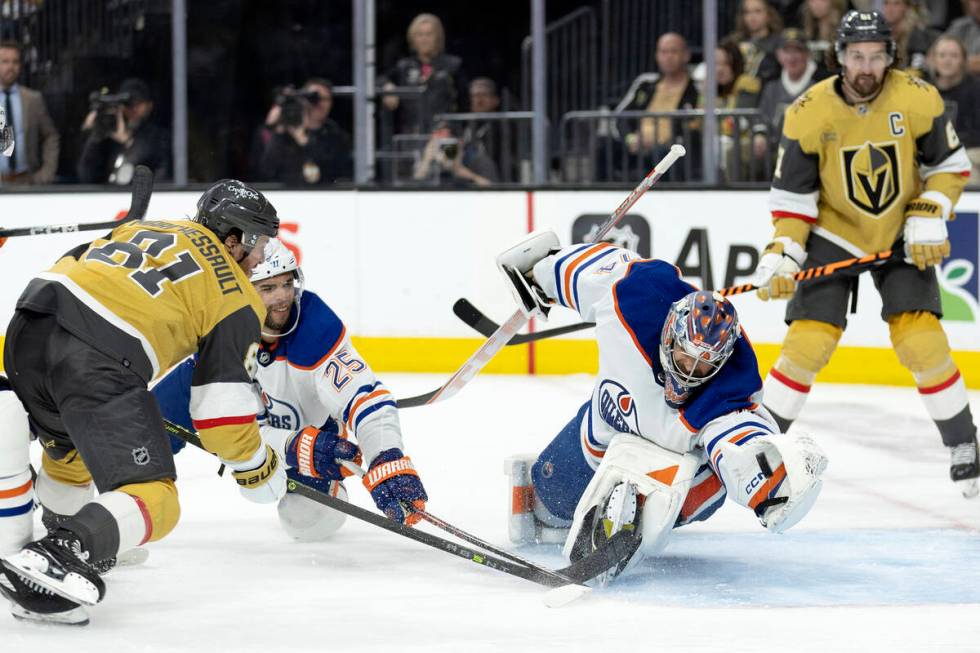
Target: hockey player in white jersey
[
  {"x": 674, "y": 422},
  {"x": 317, "y": 391}
]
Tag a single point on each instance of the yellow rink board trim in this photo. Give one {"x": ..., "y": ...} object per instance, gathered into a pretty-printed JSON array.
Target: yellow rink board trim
[{"x": 870, "y": 365}]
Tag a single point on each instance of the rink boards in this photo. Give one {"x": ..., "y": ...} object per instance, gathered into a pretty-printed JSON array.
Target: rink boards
[{"x": 392, "y": 264}]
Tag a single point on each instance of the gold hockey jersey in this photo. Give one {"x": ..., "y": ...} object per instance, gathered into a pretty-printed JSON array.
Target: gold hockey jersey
[
  {"x": 149, "y": 295},
  {"x": 848, "y": 171}
]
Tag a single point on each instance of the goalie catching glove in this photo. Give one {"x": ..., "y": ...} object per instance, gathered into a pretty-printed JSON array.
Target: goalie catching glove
[
  {"x": 774, "y": 274},
  {"x": 926, "y": 238},
  {"x": 395, "y": 486},
  {"x": 314, "y": 453}
]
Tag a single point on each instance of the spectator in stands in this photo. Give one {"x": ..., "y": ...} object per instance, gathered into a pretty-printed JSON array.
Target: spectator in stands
[
  {"x": 439, "y": 74},
  {"x": 820, "y": 21},
  {"x": 487, "y": 138},
  {"x": 799, "y": 72},
  {"x": 121, "y": 136},
  {"x": 308, "y": 148},
  {"x": 961, "y": 92},
  {"x": 35, "y": 156},
  {"x": 967, "y": 30},
  {"x": 669, "y": 89},
  {"x": 442, "y": 162},
  {"x": 912, "y": 38},
  {"x": 757, "y": 28},
  {"x": 736, "y": 90}
]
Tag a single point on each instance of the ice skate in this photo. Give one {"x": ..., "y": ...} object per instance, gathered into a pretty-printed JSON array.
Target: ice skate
[
  {"x": 57, "y": 564},
  {"x": 964, "y": 468}
]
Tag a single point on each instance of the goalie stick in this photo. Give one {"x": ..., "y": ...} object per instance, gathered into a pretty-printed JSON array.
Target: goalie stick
[
  {"x": 499, "y": 338},
  {"x": 477, "y": 320},
  {"x": 142, "y": 188},
  {"x": 603, "y": 558}
]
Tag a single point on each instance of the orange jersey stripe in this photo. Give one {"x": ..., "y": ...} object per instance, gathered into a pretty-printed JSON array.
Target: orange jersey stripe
[{"x": 17, "y": 491}]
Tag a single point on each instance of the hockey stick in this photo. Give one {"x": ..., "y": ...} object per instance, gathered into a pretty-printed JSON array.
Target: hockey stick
[
  {"x": 499, "y": 338},
  {"x": 476, "y": 319},
  {"x": 822, "y": 271},
  {"x": 139, "y": 202},
  {"x": 458, "y": 532},
  {"x": 603, "y": 558}
]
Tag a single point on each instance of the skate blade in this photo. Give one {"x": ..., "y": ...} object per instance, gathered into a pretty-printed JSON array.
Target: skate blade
[
  {"x": 57, "y": 588},
  {"x": 74, "y": 617},
  {"x": 562, "y": 596},
  {"x": 969, "y": 488}
]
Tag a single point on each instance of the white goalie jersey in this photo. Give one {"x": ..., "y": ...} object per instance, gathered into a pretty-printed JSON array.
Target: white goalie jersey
[{"x": 628, "y": 298}]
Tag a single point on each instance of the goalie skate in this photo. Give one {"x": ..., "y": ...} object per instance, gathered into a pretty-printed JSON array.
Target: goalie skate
[{"x": 620, "y": 512}]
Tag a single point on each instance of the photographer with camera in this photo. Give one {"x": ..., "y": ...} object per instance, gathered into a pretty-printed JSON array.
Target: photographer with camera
[
  {"x": 305, "y": 146},
  {"x": 121, "y": 137},
  {"x": 450, "y": 161}
]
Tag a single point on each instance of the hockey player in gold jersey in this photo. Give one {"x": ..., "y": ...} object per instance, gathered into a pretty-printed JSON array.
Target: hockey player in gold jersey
[
  {"x": 87, "y": 338},
  {"x": 867, "y": 162}
]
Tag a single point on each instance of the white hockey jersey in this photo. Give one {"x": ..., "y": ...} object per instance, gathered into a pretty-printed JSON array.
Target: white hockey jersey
[
  {"x": 309, "y": 377},
  {"x": 629, "y": 298}
]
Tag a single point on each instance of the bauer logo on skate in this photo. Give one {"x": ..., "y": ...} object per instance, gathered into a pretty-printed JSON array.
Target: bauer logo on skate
[
  {"x": 958, "y": 283},
  {"x": 617, "y": 407}
]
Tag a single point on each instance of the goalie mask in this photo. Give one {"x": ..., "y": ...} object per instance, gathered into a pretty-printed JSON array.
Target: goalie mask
[
  {"x": 6, "y": 135},
  {"x": 279, "y": 259},
  {"x": 699, "y": 335}
]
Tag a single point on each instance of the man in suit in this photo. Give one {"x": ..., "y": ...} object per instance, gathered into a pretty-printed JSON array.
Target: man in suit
[{"x": 35, "y": 157}]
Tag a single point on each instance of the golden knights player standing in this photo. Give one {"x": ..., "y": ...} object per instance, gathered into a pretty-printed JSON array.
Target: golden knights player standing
[
  {"x": 868, "y": 162},
  {"x": 87, "y": 337}
]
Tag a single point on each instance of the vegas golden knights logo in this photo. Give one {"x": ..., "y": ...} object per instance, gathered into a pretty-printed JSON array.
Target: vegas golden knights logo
[{"x": 871, "y": 175}]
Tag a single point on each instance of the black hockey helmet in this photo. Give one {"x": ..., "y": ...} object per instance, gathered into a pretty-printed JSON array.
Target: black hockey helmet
[
  {"x": 231, "y": 205},
  {"x": 863, "y": 27}
]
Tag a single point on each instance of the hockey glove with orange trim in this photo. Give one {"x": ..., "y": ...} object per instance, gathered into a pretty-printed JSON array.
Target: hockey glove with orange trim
[
  {"x": 395, "y": 486},
  {"x": 314, "y": 453},
  {"x": 926, "y": 238}
]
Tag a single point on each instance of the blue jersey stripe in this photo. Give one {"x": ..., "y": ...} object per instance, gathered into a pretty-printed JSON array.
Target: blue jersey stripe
[
  {"x": 372, "y": 409},
  {"x": 574, "y": 289},
  {"x": 743, "y": 425},
  {"x": 364, "y": 389},
  {"x": 558, "y": 265},
  {"x": 17, "y": 510}
]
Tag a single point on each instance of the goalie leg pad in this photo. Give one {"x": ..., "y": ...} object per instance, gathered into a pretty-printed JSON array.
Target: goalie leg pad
[
  {"x": 661, "y": 479},
  {"x": 16, "y": 484},
  {"x": 308, "y": 521},
  {"x": 777, "y": 476}
]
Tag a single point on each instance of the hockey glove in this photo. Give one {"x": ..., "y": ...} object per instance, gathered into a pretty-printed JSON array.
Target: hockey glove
[
  {"x": 261, "y": 478},
  {"x": 774, "y": 274},
  {"x": 314, "y": 453},
  {"x": 395, "y": 486},
  {"x": 926, "y": 239}
]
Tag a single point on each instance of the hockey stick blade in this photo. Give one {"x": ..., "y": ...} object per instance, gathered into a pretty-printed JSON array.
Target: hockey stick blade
[
  {"x": 547, "y": 578},
  {"x": 478, "y": 320},
  {"x": 142, "y": 189}
]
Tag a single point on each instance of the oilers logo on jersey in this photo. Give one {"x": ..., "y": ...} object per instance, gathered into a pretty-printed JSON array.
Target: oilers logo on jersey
[
  {"x": 617, "y": 408},
  {"x": 280, "y": 414}
]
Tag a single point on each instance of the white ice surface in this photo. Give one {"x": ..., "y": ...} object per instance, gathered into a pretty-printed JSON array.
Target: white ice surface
[{"x": 888, "y": 560}]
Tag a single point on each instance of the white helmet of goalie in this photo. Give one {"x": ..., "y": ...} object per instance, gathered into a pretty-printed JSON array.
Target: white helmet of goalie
[
  {"x": 6, "y": 135},
  {"x": 279, "y": 259}
]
